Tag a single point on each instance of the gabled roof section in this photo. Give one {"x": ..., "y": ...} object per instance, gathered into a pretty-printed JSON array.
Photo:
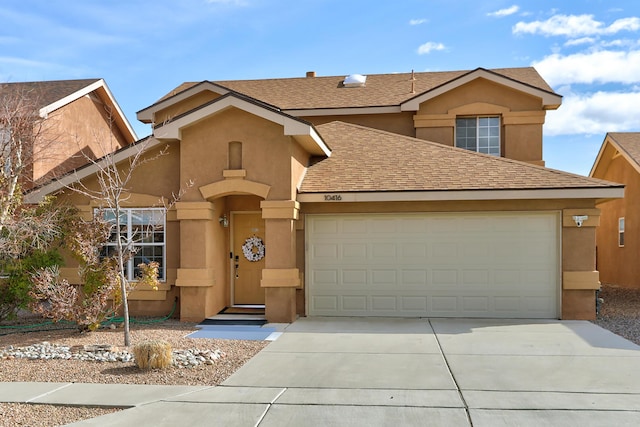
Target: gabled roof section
[
  {"x": 182, "y": 92},
  {"x": 550, "y": 100},
  {"x": 301, "y": 130},
  {"x": 626, "y": 144},
  {"x": 49, "y": 96},
  {"x": 365, "y": 161},
  {"x": 384, "y": 92}
]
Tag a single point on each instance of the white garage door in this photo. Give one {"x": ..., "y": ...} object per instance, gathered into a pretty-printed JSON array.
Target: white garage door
[{"x": 433, "y": 265}]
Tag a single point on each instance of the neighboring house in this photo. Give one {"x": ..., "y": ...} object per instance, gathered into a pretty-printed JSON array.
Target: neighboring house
[
  {"x": 78, "y": 120},
  {"x": 617, "y": 236},
  {"x": 334, "y": 196}
]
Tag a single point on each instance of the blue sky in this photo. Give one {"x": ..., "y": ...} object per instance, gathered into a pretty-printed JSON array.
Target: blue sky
[{"x": 587, "y": 50}]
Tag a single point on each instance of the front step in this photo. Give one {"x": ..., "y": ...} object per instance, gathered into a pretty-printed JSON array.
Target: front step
[{"x": 237, "y": 316}]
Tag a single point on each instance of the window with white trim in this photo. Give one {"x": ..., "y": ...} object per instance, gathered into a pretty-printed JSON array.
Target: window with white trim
[
  {"x": 144, "y": 229},
  {"x": 481, "y": 134},
  {"x": 621, "y": 232}
]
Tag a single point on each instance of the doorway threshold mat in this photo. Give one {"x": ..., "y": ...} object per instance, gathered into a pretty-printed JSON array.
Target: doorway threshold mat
[{"x": 235, "y": 332}]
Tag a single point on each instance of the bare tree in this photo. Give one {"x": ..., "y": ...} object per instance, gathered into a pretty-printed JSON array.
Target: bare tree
[
  {"x": 23, "y": 133},
  {"x": 114, "y": 176}
]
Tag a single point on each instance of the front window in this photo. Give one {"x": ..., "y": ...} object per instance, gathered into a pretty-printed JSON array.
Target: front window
[
  {"x": 481, "y": 134},
  {"x": 621, "y": 232},
  {"x": 144, "y": 229}
]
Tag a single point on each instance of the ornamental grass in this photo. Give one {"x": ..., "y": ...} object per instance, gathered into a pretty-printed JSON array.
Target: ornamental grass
[{"x": 153, "y": 354}]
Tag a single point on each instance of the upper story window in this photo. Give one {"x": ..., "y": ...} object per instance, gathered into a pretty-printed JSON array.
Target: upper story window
[
  {"x": 144, "y": 229},
  {"x": 481, "y": 134},
  {"x": 621, "y": 232}
]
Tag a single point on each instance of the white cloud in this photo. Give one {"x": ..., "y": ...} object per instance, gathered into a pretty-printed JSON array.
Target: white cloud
[
  {"x": 575, "y": 26},
  {"x": 505, "y": 12},
  {"x": 417, "y": 21},
  {"x": 602, "y": 66},
  {"x": 582, "y": 40},
  {"x": 429, "y": 47},
  {"x": 594, "y": 114}
]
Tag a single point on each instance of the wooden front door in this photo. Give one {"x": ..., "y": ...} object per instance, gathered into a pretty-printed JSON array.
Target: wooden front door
[{"x": 247, "y": 264}]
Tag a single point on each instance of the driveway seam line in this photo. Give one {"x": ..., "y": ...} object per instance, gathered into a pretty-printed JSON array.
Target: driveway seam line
[
  {"x": 446, "y": 362},
  {"x": 269, "y": 405}
]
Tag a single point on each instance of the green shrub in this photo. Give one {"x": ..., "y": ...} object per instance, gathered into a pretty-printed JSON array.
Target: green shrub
[{"x": 16, "y": 282}]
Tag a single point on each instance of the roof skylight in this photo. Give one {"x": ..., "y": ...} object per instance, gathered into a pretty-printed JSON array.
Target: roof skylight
[{"x": 354, "y": 80}]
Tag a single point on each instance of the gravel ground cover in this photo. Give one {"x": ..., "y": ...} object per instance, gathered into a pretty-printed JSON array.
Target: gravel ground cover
[
  {"x": 619, "y": 313},
  {"x": 231, "y": 355}
]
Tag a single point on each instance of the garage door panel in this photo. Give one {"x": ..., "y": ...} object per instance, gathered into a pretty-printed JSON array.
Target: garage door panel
[
  {"x": 322, "y": 278},
  {"x": 356, "y": 277},
  {"x": 354, "y": 250},
  {"x": 453, "y": 265},
  {"x": 411, "y": 278}
]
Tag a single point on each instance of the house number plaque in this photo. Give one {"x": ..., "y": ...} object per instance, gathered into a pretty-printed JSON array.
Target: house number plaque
[{"x": 332, "y": 197}]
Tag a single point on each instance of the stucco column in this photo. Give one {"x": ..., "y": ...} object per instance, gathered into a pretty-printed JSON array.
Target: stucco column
[
  {"x": 580, "y": 279},
  {"x": 196, "y": 274},
  {"x": 280, "y": 278}
]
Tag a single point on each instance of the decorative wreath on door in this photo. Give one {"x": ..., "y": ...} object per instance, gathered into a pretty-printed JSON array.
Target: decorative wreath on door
[{"x": 253, "y": 249}]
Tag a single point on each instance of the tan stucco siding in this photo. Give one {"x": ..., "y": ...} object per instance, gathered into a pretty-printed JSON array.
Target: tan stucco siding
[
  {"x": 443, "y": 135},
  {"x": 481, "y": 90},
  {"x": 74, "y": 132},
  {"x": 523, "y": 142},
  {"x": 400, "y": 123},
  {"x": 299, "y": 162},
  {"x": 204, "y": 151},
  {"x": 182, "y": 107},
  {"x": 619, "y": 265},
  {"x": 522, "y": 117}
]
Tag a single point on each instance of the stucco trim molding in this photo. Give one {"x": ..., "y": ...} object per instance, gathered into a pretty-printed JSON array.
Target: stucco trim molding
[
  {"x": 194, "y": 210},
  {"x": 580, "y": 280},
  {"x": 227, "y": 187},
  {"x": 280, "y": 278},
  {"x": 280, "y": 209},
  {"x": 195, "y": 277}
]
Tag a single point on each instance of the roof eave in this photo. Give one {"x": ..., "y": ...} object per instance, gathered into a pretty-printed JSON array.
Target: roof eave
[
  {"x": 38, "y": 194},
  {"x": 613, "y": 192}
]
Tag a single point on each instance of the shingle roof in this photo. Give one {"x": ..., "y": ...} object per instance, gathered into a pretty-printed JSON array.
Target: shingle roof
[
  {"x": 368, "y": 160},
  {"x": 380, "y": 89},
  {"x": 629, "y": 142},
  {"x": 45, "y": 92}
]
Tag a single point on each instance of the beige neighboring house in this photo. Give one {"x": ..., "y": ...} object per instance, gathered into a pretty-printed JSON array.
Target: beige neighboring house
[
  {"x": 410, "y": 194},
  {"x": 617, "y": 235},
  {"x": 80, "y": 120}
]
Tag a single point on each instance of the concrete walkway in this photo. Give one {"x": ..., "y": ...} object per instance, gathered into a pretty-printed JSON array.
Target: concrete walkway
[{"x": 408, "y": 372}]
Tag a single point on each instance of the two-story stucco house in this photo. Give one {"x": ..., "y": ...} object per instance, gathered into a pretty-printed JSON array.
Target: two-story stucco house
[{"x": 415, "y": 194}]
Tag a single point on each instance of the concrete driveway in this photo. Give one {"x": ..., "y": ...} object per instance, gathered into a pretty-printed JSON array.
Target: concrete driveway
[{"x": 417, "y": 372}]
